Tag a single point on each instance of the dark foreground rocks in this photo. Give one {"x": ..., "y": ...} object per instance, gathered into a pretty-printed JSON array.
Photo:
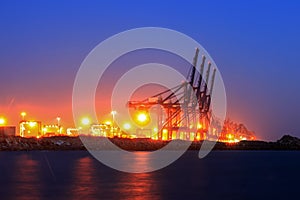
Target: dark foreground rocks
[
  {"x": 47, "y": 143},
  {"x": 93, "y": 143}
]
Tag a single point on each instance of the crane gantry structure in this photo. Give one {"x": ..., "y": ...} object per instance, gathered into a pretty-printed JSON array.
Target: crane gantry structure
[{"x": 184, "y": 111}]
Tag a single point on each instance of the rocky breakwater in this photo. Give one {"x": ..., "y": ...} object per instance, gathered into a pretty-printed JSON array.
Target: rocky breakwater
[
  {"x": 75, "y": 143},
  {"x": 46, "y": 143}
]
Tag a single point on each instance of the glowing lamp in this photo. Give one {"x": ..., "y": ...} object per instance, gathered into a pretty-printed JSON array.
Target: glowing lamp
[
  {"x": 108, "y": 122},
  {"x": 32, "y": 124},
  {"x": 85, "y": 121},
  {"x": 127, "y": 126},
  {"x": 2, "y": 121},
  {"x": 199, "y": 126},
  {"x": 230, "y": 136},
  {"x": 142, "y": 118},
  {"x": 113, "y": 112},
  {"x": 23, "y": 114}
]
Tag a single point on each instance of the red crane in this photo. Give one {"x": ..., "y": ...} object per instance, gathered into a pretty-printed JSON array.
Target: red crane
[{"x": 183, "y": 112}]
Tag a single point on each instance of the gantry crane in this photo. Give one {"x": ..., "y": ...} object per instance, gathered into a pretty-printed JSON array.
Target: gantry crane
[{"x": 184, "y": 111}]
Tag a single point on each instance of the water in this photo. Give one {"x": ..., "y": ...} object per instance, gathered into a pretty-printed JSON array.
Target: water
[{"x": 221, "y": 175}]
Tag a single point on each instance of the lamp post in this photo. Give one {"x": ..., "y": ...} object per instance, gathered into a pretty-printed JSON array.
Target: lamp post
[
  {"x": 23, "y": 114},
  {"x": 113, "y": 113},
  {"x": 58, "y": 124}
]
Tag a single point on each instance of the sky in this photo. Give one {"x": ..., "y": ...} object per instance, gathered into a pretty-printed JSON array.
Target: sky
[{"x": 255, "y": 45}]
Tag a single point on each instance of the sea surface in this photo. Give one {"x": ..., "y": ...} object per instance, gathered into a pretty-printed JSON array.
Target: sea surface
[{"x": 221, "y": 175}]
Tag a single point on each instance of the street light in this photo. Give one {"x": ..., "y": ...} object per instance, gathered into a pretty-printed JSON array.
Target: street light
[
  {"x": 58, "y": 125},
  {"x": 58, "y": 120},
  {"x": 85, "y": 121},
  {"x": 113, "y": 117},
  {"x": 127, "y": 126},
  {"x": 113, "y": 113},
  {"x": 2, "y": 121},
  {"x": 23, "y": 114}
]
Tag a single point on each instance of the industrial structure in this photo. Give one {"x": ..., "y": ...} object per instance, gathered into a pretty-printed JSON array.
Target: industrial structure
[
  {"x": 102, "y": 130},
  {"x": 7, "y": 130},
  {"x": 183, "y": 112},
  {"x": 52, "y": 130},
  {"x": 234, "y": 132},
  {"x": 30, "y": 128}
]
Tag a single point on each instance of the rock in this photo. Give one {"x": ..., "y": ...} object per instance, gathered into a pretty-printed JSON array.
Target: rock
[
  {"x": 290, "y": 141},
  {"x": 59, "y": 142},
  {"x": 287, "y": 142}
]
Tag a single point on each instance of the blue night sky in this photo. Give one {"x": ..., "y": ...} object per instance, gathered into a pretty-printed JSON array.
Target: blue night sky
[{"x": 255, "y": 44}]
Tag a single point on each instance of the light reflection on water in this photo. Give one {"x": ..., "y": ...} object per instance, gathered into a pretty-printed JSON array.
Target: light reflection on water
[
  {"x": 139, "y": 186},
  {"x": 126, "y": 186},
  {"x": 83, "y": 174},
  {"x": 77, "y": 175},
  {"x": 27, "y": 181},
  {"x": 71, "y": 175}
]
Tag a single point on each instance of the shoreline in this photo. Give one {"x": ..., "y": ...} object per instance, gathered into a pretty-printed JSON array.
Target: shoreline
[{"x": 65, "y": 143}]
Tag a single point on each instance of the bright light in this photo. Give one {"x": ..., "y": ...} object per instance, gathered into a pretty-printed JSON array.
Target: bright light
[
  {"x": 85, "y": 121},
  {"x": 23, "y": 114},
  {"x": 165, "y": 134},
  {"x": 127, "y": 126},
  {"x": 113, "y": 112},
  {"x": 32, "y": 124},
  {"x": 58, "y": 120},
  {"x": 142, "y": 117},
  {"x": 154, "y": 137},
  {"x": 199, "y": 126},
  {"x": 2, "y": 121},
  {"x": 107, "y": 122},
  {"x": 230, "y": 136},
  {"x": 155, "y": 130}
]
